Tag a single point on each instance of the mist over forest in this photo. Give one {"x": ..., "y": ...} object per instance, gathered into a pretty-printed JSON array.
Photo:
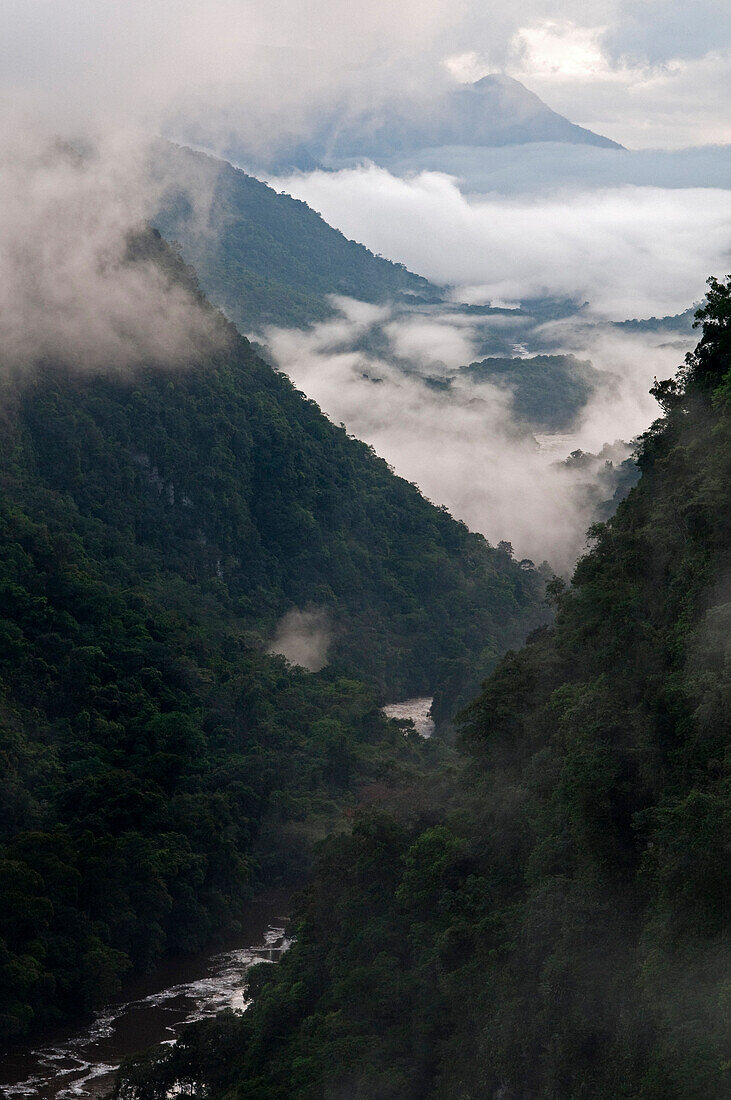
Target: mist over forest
[{"x": 364, "y": 586}]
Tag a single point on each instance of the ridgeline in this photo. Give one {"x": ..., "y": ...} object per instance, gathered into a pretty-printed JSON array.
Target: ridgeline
[{"x": 265, "y": 258}]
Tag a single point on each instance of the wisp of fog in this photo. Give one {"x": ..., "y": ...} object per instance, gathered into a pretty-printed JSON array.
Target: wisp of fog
[
  {"x": 68, "y": 291},
  {"x": 303, "y": 637}
]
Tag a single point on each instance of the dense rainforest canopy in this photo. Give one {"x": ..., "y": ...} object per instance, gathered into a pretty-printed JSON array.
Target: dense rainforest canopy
[
  {"x": 156, "y": 764},
  {"x": 555, "y": 924}
]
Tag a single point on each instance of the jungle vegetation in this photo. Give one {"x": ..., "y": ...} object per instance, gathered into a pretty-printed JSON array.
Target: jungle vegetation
[
  {"x": 156, "y": 764},
  {"x": 553, "y": 923},
  {"x": 266, "y": 258}
]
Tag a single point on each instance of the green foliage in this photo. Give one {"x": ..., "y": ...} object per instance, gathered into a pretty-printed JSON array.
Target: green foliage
[
  {"x": 157, "y": 765},
  {"x": 548, "y": 391},
  {"x": 145, "y": 750},
  {"x": 556, "y": 925}
]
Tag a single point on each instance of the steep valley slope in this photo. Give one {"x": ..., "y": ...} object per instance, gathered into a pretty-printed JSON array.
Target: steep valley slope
[
  {"x": 158, "y": 765},
  {"x": 553, "y": 923}
]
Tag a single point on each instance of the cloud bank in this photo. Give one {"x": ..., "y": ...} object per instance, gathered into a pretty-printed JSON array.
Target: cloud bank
[
  {"x": 462, "y": 445},
  {"x": 629, "y": 251}
]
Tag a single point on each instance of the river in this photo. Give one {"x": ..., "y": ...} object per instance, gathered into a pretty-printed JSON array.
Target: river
[
  {"x": 417, "y": 710},
  {"x": 76, "y": 1063}
]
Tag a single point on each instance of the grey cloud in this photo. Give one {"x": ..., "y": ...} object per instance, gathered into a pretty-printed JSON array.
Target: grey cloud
[{"x": 668, "y": 29}]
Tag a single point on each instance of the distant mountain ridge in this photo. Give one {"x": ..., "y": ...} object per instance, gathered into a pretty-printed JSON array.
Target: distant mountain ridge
[{"x": 494, "y": 111}]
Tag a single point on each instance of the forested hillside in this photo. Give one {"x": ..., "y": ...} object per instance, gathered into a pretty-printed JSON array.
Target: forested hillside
[
  {"x": 556, "y": 924},
  {"x": 548, "y": 391},
  {"x": 157, "y": 765},
  {"x": 266, "y": 258}
]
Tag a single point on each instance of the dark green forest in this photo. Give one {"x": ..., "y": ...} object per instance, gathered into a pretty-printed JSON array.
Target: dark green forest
[
  {"x": 552, "y": 922},
  {"x": 266, "y": 258},
  {"x": 157, "y": 766}
]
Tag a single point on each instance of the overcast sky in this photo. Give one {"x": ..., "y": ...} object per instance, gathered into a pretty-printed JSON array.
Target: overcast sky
[{"x": 648, "y": 73}]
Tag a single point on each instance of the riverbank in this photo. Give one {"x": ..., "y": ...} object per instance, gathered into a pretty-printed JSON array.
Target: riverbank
[{"x": 80, "y": 1061}]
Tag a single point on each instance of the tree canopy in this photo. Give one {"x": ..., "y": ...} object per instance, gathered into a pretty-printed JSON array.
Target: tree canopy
[{"x": 552, "y": 921}]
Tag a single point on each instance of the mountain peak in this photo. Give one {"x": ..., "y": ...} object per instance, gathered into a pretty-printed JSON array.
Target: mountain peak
[
  {"x": 496, "y": 110},
  {"x": 518, "y": 116},
  {"x": 492, "y": 80}
]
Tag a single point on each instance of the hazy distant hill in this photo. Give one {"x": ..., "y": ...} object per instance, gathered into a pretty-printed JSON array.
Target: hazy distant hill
[
  {"x": 494, "y": 111},
  {"x": 675, "y": 324},
  {"x": 266, "y": 258},
  {"x": 548, "y": 390},
  {"x": 538, "y": 167}
]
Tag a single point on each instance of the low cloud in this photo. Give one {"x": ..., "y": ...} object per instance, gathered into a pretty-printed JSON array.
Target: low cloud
[
  {"x": 628, "y": 251},
  {"x": 576, "y": 260},
  {"x": 68, "y": 291},
  {"x": 433, "y": 341},
  {"x": 462, "y": 444},
  {"x": 303, "y": 637}
]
